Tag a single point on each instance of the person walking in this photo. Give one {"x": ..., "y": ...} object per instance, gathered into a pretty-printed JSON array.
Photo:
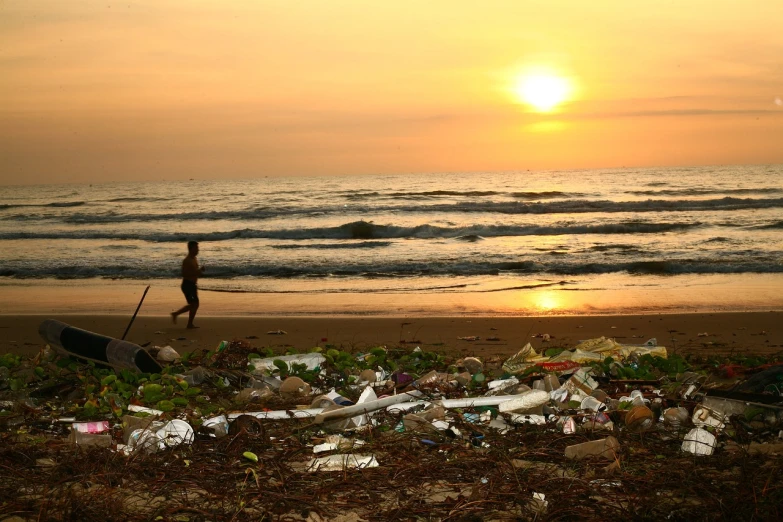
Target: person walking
[{"x": 191, "y": 271}]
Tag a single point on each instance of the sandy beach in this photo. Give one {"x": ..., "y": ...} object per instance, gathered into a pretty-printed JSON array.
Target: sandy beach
[{"x": 756, "y": 332}]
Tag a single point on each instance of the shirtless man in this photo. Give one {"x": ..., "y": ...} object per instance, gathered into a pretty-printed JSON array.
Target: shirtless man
[{"x": 190, "y": 274}]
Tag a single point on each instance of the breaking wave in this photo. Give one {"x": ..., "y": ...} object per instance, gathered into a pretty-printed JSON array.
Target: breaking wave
[
  {"x": 364, "y": 230},
  {"x": 386, "y": 270},
  {"x": 571, "y": 206},
  {"x": 706, "y": 192}
]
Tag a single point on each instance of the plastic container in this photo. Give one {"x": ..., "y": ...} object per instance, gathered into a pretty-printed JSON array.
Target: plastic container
[
  {"x": 91, "y": 427},
  {"x": 294, "y": 388},
  {"x": 675, "y": 417},
  {"x": 217, "y": 426},
  {"x": 551, "y": 382},
  {"x": 174, "y": 433},
  {"x": 593, "y": 404},
  {"x": 91, "y": 439},
  {"x": 473, "y": 365},
  {"x": 145, "y": 440},
  {"x": 639, "y": 418},
  {"x": 607, "y": 448},
  {"x": 95, "y": 347}
]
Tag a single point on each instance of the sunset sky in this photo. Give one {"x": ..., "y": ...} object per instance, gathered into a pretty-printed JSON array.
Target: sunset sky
[{"x": 98, "y": 91}]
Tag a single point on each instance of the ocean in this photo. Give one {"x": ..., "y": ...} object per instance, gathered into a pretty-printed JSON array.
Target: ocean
[{"x": 715, "y": 233}]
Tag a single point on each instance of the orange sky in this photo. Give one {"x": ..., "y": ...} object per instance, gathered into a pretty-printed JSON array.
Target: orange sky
[{"x": 164, "y": 89}]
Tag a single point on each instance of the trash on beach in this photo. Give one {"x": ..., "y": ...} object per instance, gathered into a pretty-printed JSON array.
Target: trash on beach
[
  {"x": 95, "y": 347},
  {"x": 310, "y": 360},
  {"x": 174, "y": 433},
  {"x": 216, "y": 426},
  {"x": 91, "y": 439},
  {"x": 409, "y": 408},
  {"x": 473, "y": 365},
  {"x": 539, "y": 504},
  {"x": 337, "y": 442},
  {"x": 167, "y": 354},
  {"x": 294, "y": 388},
  {"x": 607, "y": 448},
  {"x": 277, "y": 332},
  {"x": 699, "y": 442},
  {"x": 257, "y": 395},
  {"x": 639, "y": 418},
  {"x": 529, "y": 401},
  {"x": 342, "y": 463},
  {"x": 91, "y": 427},
  {"x": 580, "y": 381},
  {"x": 675, "y": 417},
  {"x": 350, "y": 411},
  {"x": 703, "y": 416},
  {"x": 143, "y": 409}
]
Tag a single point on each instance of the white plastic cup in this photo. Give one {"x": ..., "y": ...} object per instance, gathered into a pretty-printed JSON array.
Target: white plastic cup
[
  {"x": 591, "y": 403},
  {"x": 175, "y": 433}
]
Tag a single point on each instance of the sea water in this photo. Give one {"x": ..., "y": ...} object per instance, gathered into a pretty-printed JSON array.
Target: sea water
[{"x": 700, "y": 230}]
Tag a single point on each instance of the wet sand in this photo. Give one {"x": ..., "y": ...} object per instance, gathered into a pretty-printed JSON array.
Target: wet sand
[{"x": 746, "y": 332}]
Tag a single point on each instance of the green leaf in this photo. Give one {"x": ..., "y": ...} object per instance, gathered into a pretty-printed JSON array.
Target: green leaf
[
  {"x": 166, "y": 406},
  {"x": 108, "y": 380},
  {"x": 150, "y": 389},
  {"x": 250, "y": 456}
]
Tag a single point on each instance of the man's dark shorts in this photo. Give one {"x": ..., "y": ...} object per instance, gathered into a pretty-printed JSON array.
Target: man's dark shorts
[{"x": 190, "y": 290}]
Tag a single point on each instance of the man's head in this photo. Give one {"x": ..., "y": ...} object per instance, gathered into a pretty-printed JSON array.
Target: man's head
[{"x": 193, "y": 247}]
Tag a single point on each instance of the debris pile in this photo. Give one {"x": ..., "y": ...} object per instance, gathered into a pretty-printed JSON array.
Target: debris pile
[{"x": 601, "y": 430}]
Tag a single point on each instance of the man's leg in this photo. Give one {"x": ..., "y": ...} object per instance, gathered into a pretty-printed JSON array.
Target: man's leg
[
  {"x": 182, "y": 310},
  {"x": 192, "y": 315}
]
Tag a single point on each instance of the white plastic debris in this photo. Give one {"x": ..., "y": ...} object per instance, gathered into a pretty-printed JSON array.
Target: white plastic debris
[
  {"x": 498, "y": 424},
  {"x": 279, "y": 414},
  {"x": 500, "y": 384},
  {"x": 539, "y": 503},
  {"x": 168, "y": 354},
  {"x": 351, "y": 411},
  {"x": 342, "y": 462},
  {"x": 174, "y": 433},
  {"x": 440, "y": 425},
  {"x": 310, "y": 360},
  {"x": 144, "y": 439},
  {"x": 218, "y": 424},
  {"x": 568, "y": 425},
  {"x": 141, "y": 409},
  {"x": 518, "y": 418},
  {"x": 703, "y": 416},
  {"x": 581, "y": 381},
  {"x": 699, "y": 442},
  {"x": 559, "y": 395},
  {"x": 337, "y": 442},
  {"x": 368, "y": 395},
  {"x": 404, "y": 407},
  {"x": 526, "y": 401}
]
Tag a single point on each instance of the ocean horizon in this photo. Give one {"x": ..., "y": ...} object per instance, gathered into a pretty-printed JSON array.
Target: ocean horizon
[{"x": 592, "y": 241}]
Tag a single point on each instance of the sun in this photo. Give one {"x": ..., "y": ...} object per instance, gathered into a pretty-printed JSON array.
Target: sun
[{"x": 544, "y": 92}]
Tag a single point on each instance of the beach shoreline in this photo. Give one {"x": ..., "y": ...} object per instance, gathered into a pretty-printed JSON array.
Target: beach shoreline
[
  {"x": 726, "y": 333},
  {"x": 608, "y": 294}
]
